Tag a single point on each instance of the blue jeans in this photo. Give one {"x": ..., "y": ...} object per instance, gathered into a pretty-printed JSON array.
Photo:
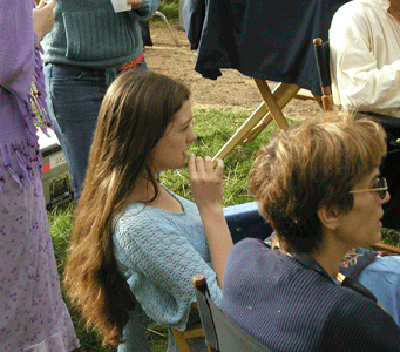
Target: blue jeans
[
  {"x": 74, "y": 96},
  {"x": 135, "y": 338}
]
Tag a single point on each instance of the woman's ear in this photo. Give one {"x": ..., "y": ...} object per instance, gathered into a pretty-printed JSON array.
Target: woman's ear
[{"x": 329, "y": 217}]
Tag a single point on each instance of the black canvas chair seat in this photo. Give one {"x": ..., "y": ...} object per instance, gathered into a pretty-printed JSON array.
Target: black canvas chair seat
[{"x": 221, "y": 333}]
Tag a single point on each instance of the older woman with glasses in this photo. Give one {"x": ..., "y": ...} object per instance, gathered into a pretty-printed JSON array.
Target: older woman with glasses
[{"x": 319, "y": 186}]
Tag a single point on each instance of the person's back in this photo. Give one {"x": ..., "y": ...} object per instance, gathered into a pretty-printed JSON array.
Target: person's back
[
  {"x": 365, "y": 53},
  {"x": 291, "y": 308}
]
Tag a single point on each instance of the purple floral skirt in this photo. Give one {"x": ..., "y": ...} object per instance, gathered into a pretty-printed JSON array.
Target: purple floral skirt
[{"x": 33, "y": 316}]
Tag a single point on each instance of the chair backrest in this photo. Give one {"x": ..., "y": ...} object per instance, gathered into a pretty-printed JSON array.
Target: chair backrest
[
  {"x": 221, "y": 333},
  {"x": 323, "y": 57}
]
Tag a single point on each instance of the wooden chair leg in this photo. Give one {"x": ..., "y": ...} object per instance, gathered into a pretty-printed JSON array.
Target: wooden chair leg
[
  {"x": 183, "y": 345},
  {"x": 192, "y": 331},
  {"x": 386, "y": 247},
  {"x": 240, "y": 134},
  {"x": 272, "y": 104},
  {"x": 257, "y": 121},
  {"x": 283, "y": 93}
]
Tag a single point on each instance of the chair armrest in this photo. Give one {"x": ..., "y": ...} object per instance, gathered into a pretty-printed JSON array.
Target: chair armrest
[{"x": 386, "y": 247}]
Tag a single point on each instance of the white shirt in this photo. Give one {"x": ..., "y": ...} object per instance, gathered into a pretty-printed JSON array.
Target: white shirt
[{"x": 365, "y": 57}]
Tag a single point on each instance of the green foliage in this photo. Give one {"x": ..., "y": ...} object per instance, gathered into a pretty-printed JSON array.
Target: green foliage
[
  {"x": 170, "y": 8},
  {"x": 391, "y": 237}
]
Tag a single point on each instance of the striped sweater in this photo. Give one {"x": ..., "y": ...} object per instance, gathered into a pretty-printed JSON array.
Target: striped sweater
[
  {"x": 290, "y": 308},
  {"x": 89, "y": 33}
]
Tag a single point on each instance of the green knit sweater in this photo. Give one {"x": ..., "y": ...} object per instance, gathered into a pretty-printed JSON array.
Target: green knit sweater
[{"x": 89, "y": 33}]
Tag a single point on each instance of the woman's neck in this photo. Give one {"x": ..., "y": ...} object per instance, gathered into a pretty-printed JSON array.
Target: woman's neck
[
  {"x": 144, "y": 190},
  {"x": 329, "y": 255}
]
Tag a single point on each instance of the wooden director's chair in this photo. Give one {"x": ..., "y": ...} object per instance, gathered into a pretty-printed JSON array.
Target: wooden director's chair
[
  {"x": 270, "y": 109},
  {"x": 191, "y": 332}
]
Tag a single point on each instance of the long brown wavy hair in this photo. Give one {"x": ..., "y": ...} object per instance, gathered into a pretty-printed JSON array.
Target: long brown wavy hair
[{"x": 134, "y": 115}]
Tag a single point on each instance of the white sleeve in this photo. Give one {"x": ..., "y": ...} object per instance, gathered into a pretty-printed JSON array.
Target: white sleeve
[
  {"x": 161, "y": 264},
  {"x": 361, "y": 84}
]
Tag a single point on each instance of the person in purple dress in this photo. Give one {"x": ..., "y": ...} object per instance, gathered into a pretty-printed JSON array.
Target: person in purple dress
[{"x": 33, "y": 316}]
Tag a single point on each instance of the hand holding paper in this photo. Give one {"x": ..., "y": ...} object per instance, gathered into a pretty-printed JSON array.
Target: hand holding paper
[{"x": 121, "y": 5}]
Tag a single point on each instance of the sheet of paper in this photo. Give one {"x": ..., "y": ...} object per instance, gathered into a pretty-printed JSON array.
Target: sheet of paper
[{"x": 120, "y": 5}]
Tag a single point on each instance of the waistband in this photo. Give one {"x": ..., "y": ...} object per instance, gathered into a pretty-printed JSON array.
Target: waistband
[
  {"x": 131, "y": 64},
  {"x": 98, "y": 71}
]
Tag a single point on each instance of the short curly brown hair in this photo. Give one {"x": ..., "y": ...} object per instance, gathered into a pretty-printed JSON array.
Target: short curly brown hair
[{"x": 314, "y": 164}]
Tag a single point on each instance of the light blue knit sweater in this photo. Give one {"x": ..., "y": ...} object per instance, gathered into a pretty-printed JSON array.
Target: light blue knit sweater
[
  {"x": 89, "y": 33},
  {"x": 159, "y": 252}
]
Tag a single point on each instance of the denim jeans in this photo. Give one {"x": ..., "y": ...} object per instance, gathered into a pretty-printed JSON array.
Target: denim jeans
[
  {"x": 135, "y": 338},
  {"x": 74, "y": 96}
]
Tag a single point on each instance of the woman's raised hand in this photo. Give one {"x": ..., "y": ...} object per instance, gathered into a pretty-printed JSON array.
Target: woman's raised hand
[
  {"x": 207, "y": 191},
  {"x": 206, "y": 182},
  {"x": 43, "y": 18}
]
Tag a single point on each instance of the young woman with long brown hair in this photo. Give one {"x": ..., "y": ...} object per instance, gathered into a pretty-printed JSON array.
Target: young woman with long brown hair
[{"x": 136, "y": 244}]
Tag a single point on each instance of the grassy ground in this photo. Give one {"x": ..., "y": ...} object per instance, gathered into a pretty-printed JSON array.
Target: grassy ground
[{"x": 215, "y": 127}]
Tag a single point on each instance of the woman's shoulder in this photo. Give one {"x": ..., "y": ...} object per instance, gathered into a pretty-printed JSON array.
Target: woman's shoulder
[
  {"x": 359, "y": 321},
  {"x": 141, "y": 218},
  {"x": 250, "y": 264},
  {"x": 136, "y": 217},
  {"x": 252, "y": 250},
  {"x": 188, "y": 206}
]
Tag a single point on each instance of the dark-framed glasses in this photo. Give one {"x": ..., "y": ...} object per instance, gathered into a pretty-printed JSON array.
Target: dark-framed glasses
[{"x": 379, "y": 186}]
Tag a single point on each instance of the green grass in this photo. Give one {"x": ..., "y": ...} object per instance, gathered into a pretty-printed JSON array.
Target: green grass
[
  {"x": 215, "y": 127},
  {"x": 170, "y": 8}
]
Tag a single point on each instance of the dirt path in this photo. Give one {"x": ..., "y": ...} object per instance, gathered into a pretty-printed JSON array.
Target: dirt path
[{"x": 232, "y": 90}]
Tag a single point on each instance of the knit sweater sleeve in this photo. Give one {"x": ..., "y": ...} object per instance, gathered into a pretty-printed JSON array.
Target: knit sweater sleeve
[{"x": 159, "y": 262}]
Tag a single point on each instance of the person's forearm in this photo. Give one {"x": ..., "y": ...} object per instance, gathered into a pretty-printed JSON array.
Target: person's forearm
[
  {"x": 207, "y": 190},
  {"x": 219, "y": 240},
  {"x": 373, "y": 89}
]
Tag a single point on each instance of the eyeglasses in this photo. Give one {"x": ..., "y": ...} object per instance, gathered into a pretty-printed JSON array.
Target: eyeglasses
[{"x": 380, "y": 186}]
